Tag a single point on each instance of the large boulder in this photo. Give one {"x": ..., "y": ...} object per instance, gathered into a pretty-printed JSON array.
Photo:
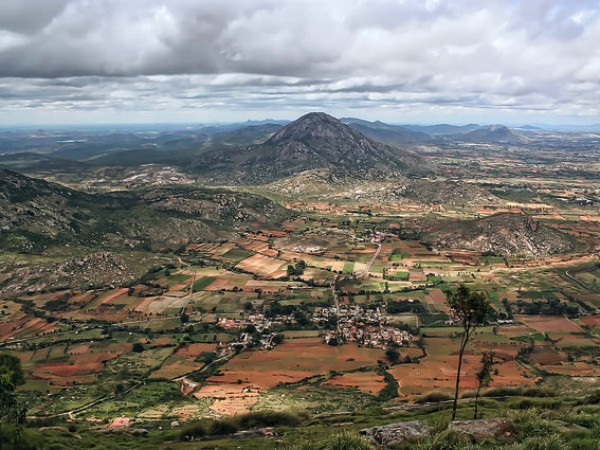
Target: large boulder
[
  {"x": 483, "y": 428},
  {"x": 395, "y": 433}
]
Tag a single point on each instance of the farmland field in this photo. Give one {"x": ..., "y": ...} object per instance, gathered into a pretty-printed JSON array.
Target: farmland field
[{"x": 321, "y": 299}]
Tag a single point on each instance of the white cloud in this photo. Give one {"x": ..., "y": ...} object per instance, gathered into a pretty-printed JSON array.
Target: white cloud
[{"x": 272, "y": 55}]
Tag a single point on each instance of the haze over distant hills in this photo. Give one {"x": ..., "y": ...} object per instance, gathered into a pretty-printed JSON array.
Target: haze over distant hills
[{"x": 260, "y": 151}]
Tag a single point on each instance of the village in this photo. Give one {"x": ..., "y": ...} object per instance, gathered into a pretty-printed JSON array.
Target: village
[{"x": 354, "y": 323}]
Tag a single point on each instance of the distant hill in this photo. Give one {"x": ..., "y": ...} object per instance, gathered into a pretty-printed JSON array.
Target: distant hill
[
  {"x": 504, "y": 234},
  {"x": 247, "y": 134},
  {"x": 314, "y": 141},
  {"x": 35, "y": 214},
  {"x": 493, "y": 134},
  {"x": 388, "y": 134},
  {"x": 32, "y": 161},
  {"x": 442, "y": 129}
]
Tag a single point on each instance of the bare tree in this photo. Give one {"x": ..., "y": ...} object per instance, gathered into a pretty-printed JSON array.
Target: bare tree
[{"x": 469, "y": 309}]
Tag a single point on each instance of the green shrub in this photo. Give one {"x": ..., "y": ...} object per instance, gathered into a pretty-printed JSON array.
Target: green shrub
[
  {"x": 192, "y": 431},
  {"x": 433, "y": 397},
  {"x": 223, "y": 427},
  {"x": 528, "y": 423},
  {"x": 584, "y": 443},
  {"x": 538, "y": 392},
  {"x": 552, "y": 442},
  {"x": 347, "y": 441},
  {"x": 260, "y": 419},
  {"x": 541, "y": 403},
  {"x": 582, "y": 419},
  {"x": 439, "y": 423},
  {"x": 449, "y": 440},
  {"x": 592, "y": 399},
  {"x": 503, "y": 391}
]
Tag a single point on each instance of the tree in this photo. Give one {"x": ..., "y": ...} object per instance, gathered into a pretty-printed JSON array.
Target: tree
[
  {"x": 469, "y": 309},
  {"x": 392, "y": 354},
  {"x": 290, "y": 271},
  {"x": 138, "y": 347},
  {"x": 484, "y": 376},
  {"x": 11, "y": 376}
]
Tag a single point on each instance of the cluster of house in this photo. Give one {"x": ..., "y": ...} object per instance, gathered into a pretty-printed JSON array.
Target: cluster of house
[
  {"x": 259, "y": 321},
  {"x": 370, "y": 335},
  {"x": 350, "y": 312},
  {"x": 379, "y": 236},
  {"x": 266, "y": 341},
  {"x": 365, "y": 326},
  {"x": 353, "y": 323}
]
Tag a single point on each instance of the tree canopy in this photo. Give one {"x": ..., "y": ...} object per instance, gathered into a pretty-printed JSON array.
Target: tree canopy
[{"x": 11, "y": 376}]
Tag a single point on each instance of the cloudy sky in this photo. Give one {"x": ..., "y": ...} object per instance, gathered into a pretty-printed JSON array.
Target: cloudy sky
[{"x": 420, "y": 61}]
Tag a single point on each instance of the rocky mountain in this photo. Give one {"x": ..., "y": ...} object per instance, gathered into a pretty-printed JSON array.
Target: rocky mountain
[
  {"x": 35, "y": 214},
  {"x": 505, "y": 234},
  {"x": 314, "y": 141}
]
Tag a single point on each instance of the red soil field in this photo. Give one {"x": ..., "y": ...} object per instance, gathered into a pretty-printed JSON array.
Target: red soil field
[
  {"x": 573, "y": 369},
  {"x": 591, "y": 321},
  {"x": 437, "y": 297},
  {"x": 437, "y": 371},
  {"x": 195, "y": 350},
  {"x": 545, "y": 354},
  {"x": 550, "y": 323},
  {"x": 110, "y": 297},
  {"x": 295, "y": 360},
  {"x": 86, "y": 364},
  {"x": 368, "y": 382}
]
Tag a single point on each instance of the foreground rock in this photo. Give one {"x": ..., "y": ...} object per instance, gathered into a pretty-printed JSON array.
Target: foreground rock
[
  {"x": 395, "y": 433},
  {"x": 483, "y": 428}
]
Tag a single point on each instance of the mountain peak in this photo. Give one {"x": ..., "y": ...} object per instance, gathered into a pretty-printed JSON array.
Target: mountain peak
[
  {"x": 314, "y": 141},
  {"x": 314, "y": 125}
]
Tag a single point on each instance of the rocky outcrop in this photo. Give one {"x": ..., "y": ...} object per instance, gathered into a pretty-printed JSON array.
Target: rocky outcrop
[
  {"x": 483, "y": 428},
  {"x": 395, "y": 433},
  {"x": 504, "y": 234}
]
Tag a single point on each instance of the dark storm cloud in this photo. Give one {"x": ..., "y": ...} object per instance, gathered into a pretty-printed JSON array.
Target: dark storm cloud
[
  {"x": 182, "y": 54},
  {"x": 29, "y": 16}
]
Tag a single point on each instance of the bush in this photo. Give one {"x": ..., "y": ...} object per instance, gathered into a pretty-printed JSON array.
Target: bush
[
  {"x": 540, "y": 403},
  {"x": 261, "y": 419},
  {"x": 449, "y": 440},
  {"x": 585, "y": 443},
  {"x": 538, "y": 392},
  {"x": 138, "y": 347},
  {"x": 504, "y": 391},
  {"x": 592, "y": 399},
  {"x": 347, "y": 441},
  {"x": 222, "y": 427},
  {"x": 528, "y": 423},
  {"x": 192, "y": 431},
  {"x": 433, "y": 397},
  {"x": 553, "y": 442}
]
